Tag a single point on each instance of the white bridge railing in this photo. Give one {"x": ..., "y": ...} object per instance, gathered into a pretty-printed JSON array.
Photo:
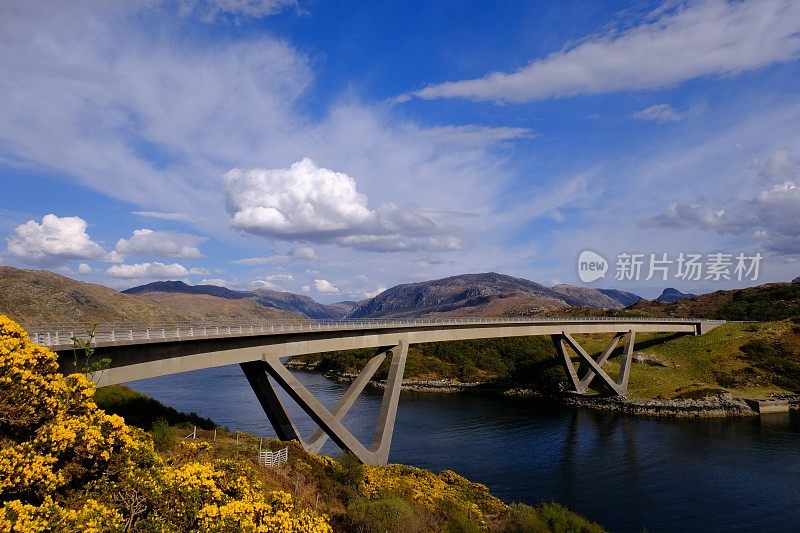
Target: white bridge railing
[{"x": 62, "y": 335}]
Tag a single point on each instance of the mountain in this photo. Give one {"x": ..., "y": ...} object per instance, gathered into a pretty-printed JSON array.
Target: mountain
[
  {"x": 34, "y": 297},
  {"x": 627, "y": 299},
  {"x": 771, "y": 301},
  {"x": 670, "y": 295},
  {"x": 297, "y": 303},
  {"x": 181, "y": 287},
  {"x": 487, "y": 294},
  {"x": 589, "y": 297}
]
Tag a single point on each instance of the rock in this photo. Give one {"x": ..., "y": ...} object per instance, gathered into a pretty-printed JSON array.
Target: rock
[{"x": 649, "y": 359}]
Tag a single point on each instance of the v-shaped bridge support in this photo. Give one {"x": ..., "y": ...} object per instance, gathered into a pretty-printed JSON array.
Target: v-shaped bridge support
[
  {"x": 330, "y": 422},
  {"x": 591, "y": 368}
]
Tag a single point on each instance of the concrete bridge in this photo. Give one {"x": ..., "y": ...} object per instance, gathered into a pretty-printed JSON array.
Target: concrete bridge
[{"x": 141, "y": 352}]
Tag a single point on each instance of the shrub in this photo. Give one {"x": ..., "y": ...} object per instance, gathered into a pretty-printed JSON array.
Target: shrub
[
  {"x": 162, "y": 434},
  {"x": 384, "y": 514}
]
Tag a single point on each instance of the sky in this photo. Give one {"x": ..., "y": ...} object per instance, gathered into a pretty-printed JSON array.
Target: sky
[{"x": 337, "y": 148}]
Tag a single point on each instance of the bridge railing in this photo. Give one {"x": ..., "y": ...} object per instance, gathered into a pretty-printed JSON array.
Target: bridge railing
[{"x": 61, "y": 335}]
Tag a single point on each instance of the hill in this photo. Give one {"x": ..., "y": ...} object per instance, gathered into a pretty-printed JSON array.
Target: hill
[
  {"x": 772, "y": 301},
  {"x": 38, "y": 296},
  {"x": 625, "y": 298},
  {"x": 670, "y": 295},
  {"x": 488, "y": 294},
  {"x": 589, "y": 297},
  {"x": 181, "y": 287}
]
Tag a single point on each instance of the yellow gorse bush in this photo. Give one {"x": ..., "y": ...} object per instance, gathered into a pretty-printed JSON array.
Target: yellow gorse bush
[
  {"x": 65, "y": 465},
  {"x": 430, "y": 490}
]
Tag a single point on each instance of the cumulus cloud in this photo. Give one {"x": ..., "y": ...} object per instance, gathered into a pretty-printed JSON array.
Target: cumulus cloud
[
  {"x": 675, "y": 43},
  {"x": 161, "y": 243},
  {"x": 84, "y": 268},
  {"x": 306, "y": 288},
  {"x": 771, "y": 214},
  {"x": 148, "y": 271},
  {"x": 308, "y": 202},
  {"x": 213, "y": 281},
  {"x": 660, "y": 113},
  {"x": 54, "y": 240},
  {"x": 325, "y": 287}
]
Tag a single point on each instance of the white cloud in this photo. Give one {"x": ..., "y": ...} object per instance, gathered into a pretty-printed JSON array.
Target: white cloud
[
  {"x": 372, "y": 294},
  {"x": 211, "y": 10},
  {"x": 161, "y": 243},
  {"x": 84, "y": 268},
  {"x": 325, "y": 287},
  {"x": 280, "y": 278},
  {"x": 305, "y": 253},
  {"x": 771, "y": 214},
  {"x": 213, "y": 281},
  {"x": 306, "y": 288},
  {"x": 182, "y": 217},
  {"x": 148, "y": 271},
  {"x": 308, "y": 202},
  {"x": 660, "y": 113},
  {"x": 54, "y": 240},
  {"x": 676, "y": 43},
  {"x": 199, "y": 271}
]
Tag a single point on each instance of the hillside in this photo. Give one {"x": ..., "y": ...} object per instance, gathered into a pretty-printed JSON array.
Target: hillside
[
  {"x": 772, "y": 301},
  {"x": 38, "y": 296},
  {"x": 487, "y": 294},
  {"x": 300, "y": 304}
]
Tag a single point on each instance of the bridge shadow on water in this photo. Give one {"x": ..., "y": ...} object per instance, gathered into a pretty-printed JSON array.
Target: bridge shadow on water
[{"x": 627, "y": 473}]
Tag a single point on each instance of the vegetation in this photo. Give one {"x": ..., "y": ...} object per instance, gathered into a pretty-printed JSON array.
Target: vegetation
[
  {"x": 748, "y": 360},
  {"x": 142, "y": 411},
  {"x": 66, "y": 465},
  {"x": 517, "y": 359}
]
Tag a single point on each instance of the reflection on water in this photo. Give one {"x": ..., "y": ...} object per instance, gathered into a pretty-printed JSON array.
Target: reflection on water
[{"x": 627, "y": 473}]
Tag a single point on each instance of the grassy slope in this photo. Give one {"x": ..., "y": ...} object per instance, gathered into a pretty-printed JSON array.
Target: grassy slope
[
  {"x": 355, "y": 497},
  {"x": 716, "y": 360}
]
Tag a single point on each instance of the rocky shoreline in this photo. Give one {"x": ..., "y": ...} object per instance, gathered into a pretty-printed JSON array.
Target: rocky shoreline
[{"x": 715, "y": 406}]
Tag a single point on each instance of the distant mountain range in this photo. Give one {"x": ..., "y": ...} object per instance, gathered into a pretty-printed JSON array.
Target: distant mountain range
[
  {"x": 36, "y": 296},
  {"x": 287, "y": 301}
]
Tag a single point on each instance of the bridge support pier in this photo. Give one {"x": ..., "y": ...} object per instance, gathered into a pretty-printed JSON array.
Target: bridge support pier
[
  {"x": 330, "y": 422},
  {"x": 591, "y": 367}
]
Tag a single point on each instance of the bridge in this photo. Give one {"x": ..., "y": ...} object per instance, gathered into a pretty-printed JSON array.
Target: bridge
[{"x": 141, "y": 352}]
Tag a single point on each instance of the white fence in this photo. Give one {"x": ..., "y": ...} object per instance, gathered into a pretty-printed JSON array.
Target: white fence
[
  {"x": 61, "y": 335},
  {"x": 273, "y": 459}
]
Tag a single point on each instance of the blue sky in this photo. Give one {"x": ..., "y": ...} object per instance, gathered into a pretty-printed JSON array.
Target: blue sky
[{"x": 336, "y": 148}]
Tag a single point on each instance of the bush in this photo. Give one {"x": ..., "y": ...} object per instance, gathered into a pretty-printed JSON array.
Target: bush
[
  {"x": 385, "y": 514},
  {"x": 162, "y": 434}
]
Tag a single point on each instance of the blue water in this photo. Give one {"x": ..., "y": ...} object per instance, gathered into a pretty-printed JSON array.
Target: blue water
[{"x": 626, "y": 473}]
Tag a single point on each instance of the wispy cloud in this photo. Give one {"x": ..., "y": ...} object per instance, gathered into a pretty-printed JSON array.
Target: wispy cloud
[{"x": 674, "y": 44}]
